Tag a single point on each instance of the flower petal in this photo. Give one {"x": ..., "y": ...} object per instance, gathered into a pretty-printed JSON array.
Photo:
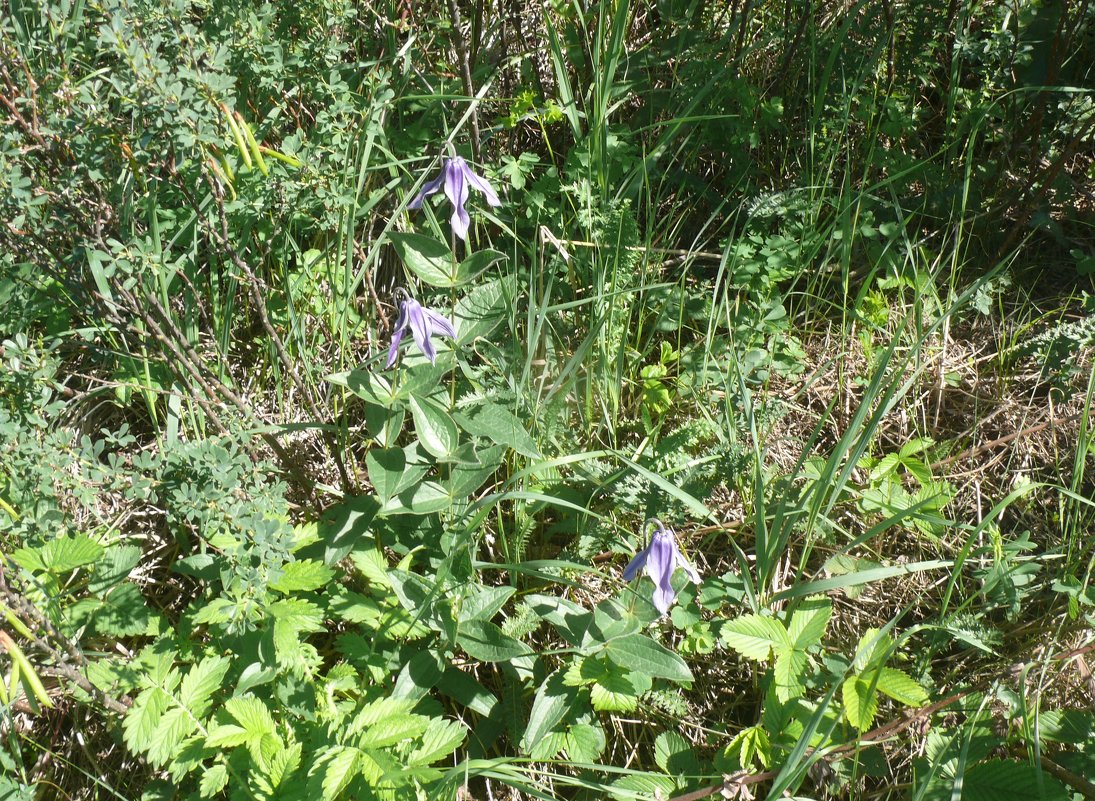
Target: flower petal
[
  {"x": 660, "y": 565},
  {"x": 456, "y": 190},
  {"x": 397, "y": 334},
  {"x": 420, "y": 328},
  {"x": 636, "y": 564},
  {"x": 428, "y": 189},
  {"x": 439, "y": 323},
  {"x": 482, "y": 185}
]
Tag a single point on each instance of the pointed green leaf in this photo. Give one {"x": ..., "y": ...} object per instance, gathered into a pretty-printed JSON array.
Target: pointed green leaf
[
  {"x": 426, "y": 257},
  {"x": 860, "y": 702},
  {"x": 789, "y": 669},
  {"x": 754, "y": 636},
  {"x": 901, "y": 687},
  {"x": 475, "y": 264},
  {"x": 201, "y": 682},
  {"x": 808, "y": 622},
  {"x": 479, "y": 312},
  {"x": 499, "y": 425},
  {"x": 435, "y": 428},
  {"x": 1007, "y": 780},
  {"x": 640, "y": 653},
  {"x": 552, "y": 701},
  {"x": 485, "y": 641}
]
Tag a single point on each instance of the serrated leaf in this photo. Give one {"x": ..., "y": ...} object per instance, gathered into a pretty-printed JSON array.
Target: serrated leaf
[
  {"x": 68, "y": 553},
  {"x": 673, "y": 754},
  {"x": 124, "y": 612},
  {"x": 302, "y": 576},
  {"x": 1006, "y": 780},
  {"x": 340, "y": 769},
  {"x": 174, "y": 727},
  {"x": 860, "y": 702},
  {"x": 115, "y": 566},
  {"x": 252, "y": 714},
  {"x": 201, "y": 682},
  {"x": 440, "y": 739},
  {"x": 213, "y": 780},
  {"x": 392, "y": 730},
  {"x": 809, "y": 621},
  {"x": 901, "y": 687},
  {"x": 640, "y": 653},
  {"x": 141, "y": 718},
  {"x": 584, "y": 742},
  {"x": 754, "y": 636},
  {"x": 228, "y": 735},
  {"x": 788, "y": 673}
]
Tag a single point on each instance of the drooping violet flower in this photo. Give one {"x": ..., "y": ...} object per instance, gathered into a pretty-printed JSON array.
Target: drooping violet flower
[
  {"x": 423, "y": 323},
  {"x": 455, "y": 177},
  {"x": 660, "y": 558}
]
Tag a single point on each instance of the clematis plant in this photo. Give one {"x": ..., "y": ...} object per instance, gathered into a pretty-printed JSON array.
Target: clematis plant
[
  {"x": 455, "y": 178},
  {"x": 423, "y": 324},
  {"x": 660, "y": 558}
]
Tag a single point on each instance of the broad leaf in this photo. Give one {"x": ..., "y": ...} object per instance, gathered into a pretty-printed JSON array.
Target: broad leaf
[
  {"x": 553, "y": 700},
  {"x": 486, "y": 642},
  {"x": 860, "y": 702},
  {"x": 475, "y": 264},
  {"x": 435, "y": 428},
  {"x": 808, "y": 622},
  {"x": 499, "y": 425},
  {"x": 754, "y": 636},
  {"x": 426, "y": 257},
  {"x": 901, "y": 687},
  {"x": 640, "y": 653}
]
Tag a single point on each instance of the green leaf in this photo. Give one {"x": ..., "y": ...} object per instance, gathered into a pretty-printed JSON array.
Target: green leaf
[
  {"x": 344, "y": 524},
  {"x": 213, "y": 780},
  {"x": 584, "y": 742},
  {"x": 553, "y": 700},
  {"x": 68, "y": 553},
  {"x": 342, "y": 764},
  {"x": 174, "y": 727},
  {"x": 427, "y": 498},
  {"x": 1005, "y": 780},
  {"x": 874, "y": 649},
  {"x": 393, "y": 729},
  {"x": 484, "y": 602},
  {"x": 141, "y": 719},
  {"x": 426, "y": 257},
  {"x": 501, "y": 426},
  {"x": 204, "y": 679},
  {"x": 788, "y": 673},
  {"x": 901, "y": 687},
  {"x": 476, "y": 263},
  {"x": 302, "y": 576},
  {"x": 385, "y": 467},
  {"x": 673, "y": 754},
  {"x": 125, "y": 613},
  {"x": 439, "y": 740},
  {"x": 860, "y": 702},
  {"x": 114, "y": 567},
  {"x": 479, "y": 312},
  {"x": 252, "y": 714},
  {"x": 809, "y": 621},
  {"x": 227, "y": 736},
  {"x": 486, "y": 642},
  {"x": 754, "y": 636},
  {"x": 616, "y": 692},
  {"x": 435, "y": 428},
  {"x": 640, "y": 653}
]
